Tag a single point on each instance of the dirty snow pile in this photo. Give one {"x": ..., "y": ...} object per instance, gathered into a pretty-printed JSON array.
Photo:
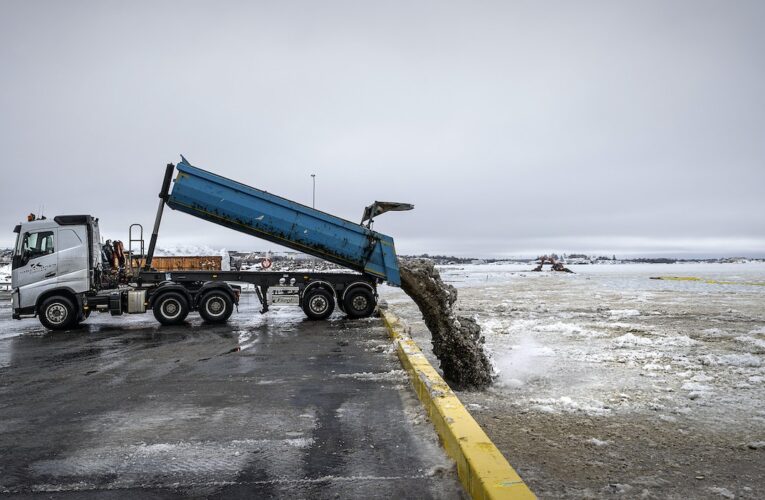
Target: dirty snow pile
[{"x": 457, "y": 340}]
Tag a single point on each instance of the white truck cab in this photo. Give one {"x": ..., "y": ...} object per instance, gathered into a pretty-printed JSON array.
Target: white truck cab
[{"x": 54, "y": 257}]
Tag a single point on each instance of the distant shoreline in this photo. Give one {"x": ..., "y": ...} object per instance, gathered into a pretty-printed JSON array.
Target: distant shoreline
[{"x": 583, "y": 260}]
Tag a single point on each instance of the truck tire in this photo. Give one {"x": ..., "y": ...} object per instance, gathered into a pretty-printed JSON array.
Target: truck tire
[
  {"x": 318, "y": 304},
  {"x": 171, "y": 308},
  {"x": 359, "y": 302},
  {"x": 216, "y": 306},
  {"x": 57, "y": 313}
]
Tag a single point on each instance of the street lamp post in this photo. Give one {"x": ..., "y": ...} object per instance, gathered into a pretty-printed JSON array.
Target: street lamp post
[
  {"x": 313, "y": 176},
  {"x": 313, "y": 205}
]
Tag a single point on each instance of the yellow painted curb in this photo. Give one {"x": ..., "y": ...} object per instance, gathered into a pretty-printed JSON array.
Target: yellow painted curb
[{"x": 482, "y": 469}]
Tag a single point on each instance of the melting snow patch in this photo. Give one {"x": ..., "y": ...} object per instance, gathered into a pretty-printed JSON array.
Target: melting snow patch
[
  {"x": 545, "y": 409},
  {"x": 494, "y": 326},
  {"x": 618, "y": 488},
  {"x": 747, "y": 360},
  {"x": 391, "y": 375},
  {"x": 714, "y": 333},
  {"x": 566, "y": 404},
  {"x": 158, "y": 448},
  {"x": 702, "y": 377},
  {"x": 629, "y": 339},
  {"x": 759, "y": 343},
  {"x": 677, "y": 341},
  {"x": 597, "y": 442},
  {"x": 657, "y": 367},
  {"x": 302, "y": 442},
  {"x": 567, "y": 330},
  {"x": 722, "y": 492},
  {"x": 696, "y": 387},
  {"x": 623, "y": 313},
  {"x": 619, "y": 325}
]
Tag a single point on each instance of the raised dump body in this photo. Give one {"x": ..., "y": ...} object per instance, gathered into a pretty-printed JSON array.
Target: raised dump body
[{"x": 249, "y": 210}]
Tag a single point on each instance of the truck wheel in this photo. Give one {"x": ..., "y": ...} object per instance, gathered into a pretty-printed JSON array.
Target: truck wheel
[
  {"x": 171, "y": 308},
  {"x": 216, "y": 307},
  {"x": 318, "y": 304},
  {"x": 359, "y": 302},
  {"x": 57, "y": 313}
]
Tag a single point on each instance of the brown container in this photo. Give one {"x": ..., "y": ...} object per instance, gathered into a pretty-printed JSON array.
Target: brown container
[{"x": 192, "y": 263}]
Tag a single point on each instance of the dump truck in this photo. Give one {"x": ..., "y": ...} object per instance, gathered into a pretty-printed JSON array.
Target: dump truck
[{"x": 62, "y": 273}]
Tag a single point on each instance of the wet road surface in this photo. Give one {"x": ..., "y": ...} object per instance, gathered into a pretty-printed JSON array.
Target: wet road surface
[{"x": 265, "y": 406}]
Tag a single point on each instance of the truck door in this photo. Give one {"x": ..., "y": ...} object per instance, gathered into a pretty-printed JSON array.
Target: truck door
[
  {"x": 36, "y": 265},
  {"x": 72, "y": 250}
]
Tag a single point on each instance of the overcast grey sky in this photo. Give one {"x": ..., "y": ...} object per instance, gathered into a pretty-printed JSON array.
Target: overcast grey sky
[{"x": 514, "y": 127}]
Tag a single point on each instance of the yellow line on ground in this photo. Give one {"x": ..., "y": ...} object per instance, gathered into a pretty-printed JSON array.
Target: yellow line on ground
[
  {"x": 711, "y": 282},
  {"x": 482, "y": 469}
]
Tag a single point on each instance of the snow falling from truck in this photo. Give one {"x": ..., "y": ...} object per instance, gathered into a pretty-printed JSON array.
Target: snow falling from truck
[{"x": 456, "y": 339}]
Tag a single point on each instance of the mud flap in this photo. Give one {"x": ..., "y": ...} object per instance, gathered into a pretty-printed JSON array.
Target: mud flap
[{"x": 262, "y": 299}]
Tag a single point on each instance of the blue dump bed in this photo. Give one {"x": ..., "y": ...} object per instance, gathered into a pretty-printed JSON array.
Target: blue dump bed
[{"x": 214, "y": 198}]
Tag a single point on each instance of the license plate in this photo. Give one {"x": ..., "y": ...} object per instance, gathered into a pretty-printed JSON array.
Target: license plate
[
  {"x": 285, "y": 299},
  {"x": 284, "y": 295}
]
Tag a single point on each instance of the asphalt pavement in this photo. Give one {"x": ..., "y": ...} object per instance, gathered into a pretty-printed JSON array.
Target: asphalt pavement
[{"x": 266, "y": 406}]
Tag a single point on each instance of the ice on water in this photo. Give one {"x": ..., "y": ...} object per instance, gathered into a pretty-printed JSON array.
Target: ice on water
[{"x": 609, "y": 339}]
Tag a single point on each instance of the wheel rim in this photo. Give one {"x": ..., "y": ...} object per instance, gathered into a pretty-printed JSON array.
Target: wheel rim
[
  {"x": 57, "y": 313},
  {"x": 318, "y": 304},
  {"x": 215, "y": 306},
  {"x": 359, "y": 303},
  {"x": 171, "y": 308}
]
